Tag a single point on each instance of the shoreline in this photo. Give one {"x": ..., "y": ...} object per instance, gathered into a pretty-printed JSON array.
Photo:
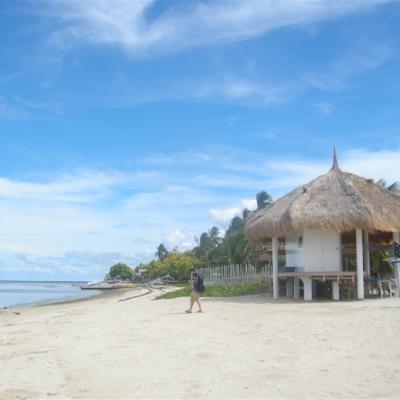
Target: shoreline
[
  {"x": 103, "y": 293},
  {"x": 69, "y": 300},
  {"x": 45, "y": 302}
]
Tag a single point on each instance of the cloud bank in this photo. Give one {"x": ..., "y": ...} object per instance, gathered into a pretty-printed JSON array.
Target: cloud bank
[
  {"x": 78, "y": 223},
  {"x": 149, "y": 26}
]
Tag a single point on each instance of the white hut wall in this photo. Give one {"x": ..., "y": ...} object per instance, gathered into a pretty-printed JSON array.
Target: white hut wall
[
  {"x": 295, "y": 250},
  {"x": 321, "y": 251}
]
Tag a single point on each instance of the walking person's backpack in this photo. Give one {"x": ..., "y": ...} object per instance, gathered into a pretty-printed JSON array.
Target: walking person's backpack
[{"x": 200, "y": 284}]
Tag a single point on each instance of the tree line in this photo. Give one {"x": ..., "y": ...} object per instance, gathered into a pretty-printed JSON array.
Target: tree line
[{"x": 213, "y": 248}]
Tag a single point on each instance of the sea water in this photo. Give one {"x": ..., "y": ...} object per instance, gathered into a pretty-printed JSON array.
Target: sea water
[{"x": 15, "y": 293}]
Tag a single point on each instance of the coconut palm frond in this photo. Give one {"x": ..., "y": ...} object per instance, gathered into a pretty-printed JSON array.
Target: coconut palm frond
[
  {"x": 395, "y": 188},
  {"x": 381, "y": 182}
]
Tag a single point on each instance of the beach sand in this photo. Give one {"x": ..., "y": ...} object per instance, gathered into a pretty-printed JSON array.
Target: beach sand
[{"x": 240, "y": 348}]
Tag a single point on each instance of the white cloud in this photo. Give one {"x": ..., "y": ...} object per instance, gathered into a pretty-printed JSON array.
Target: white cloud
[
  {"x": 185, "y": 24},
  {"x": 141, "y": 29},
  {"x": 83, "y": 186},
  {"x": 97, "y": 212},
  {"x": 224, "y": 215},
  {"x": 374, "y": 164},
  {"x": 285, "y": 173},
  {"x": 250, "y": 204},
  {"x": 230, "y": 181},
  {"x": 181, "y": 238},
  {"x": 240, "y": 89},
  {"x": 340, "y": 75}
]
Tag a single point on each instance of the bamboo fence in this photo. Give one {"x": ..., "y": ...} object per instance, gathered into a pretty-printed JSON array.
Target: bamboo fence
[{"x": 235, "y": 274}]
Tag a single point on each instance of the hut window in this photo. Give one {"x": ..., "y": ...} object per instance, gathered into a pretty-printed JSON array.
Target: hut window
[{"x": 300, "y": 242}]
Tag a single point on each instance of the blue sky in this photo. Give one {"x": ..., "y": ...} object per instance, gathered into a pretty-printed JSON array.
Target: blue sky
[{"x": 124, "y": 124}]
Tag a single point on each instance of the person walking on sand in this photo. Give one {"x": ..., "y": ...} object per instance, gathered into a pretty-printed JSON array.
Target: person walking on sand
[{"x": 197, "y": 288}]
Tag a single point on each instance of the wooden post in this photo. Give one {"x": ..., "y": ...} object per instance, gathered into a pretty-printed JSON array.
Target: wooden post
[
  {"x": 396, "y": 238},
  {"x": 275, "y": 282},
  {"x": 360, "y": 264}
]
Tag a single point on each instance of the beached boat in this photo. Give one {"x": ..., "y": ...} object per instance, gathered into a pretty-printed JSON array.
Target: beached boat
[
  {"x": 97, "y": 286},
  {"x": 107, "y": 285}
]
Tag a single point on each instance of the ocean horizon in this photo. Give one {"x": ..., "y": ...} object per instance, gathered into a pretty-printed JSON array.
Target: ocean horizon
[{"x": 18, "y": 293}]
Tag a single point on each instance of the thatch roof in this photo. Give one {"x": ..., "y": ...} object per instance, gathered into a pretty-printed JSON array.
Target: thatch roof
[{"x": 337, "y": 201}]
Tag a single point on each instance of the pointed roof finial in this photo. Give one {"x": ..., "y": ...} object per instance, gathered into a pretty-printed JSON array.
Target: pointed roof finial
[{"x": 335, "y": 164}]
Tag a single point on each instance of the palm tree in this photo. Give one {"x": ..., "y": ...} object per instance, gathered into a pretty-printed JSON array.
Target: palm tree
[
  {"x": 394, "y": 187},
  {"x": 215, "y": 236},
  {"x": 245, "y": 213},
  {"x": 161, "y": 252},
  {"x": 263, "y": 199}
]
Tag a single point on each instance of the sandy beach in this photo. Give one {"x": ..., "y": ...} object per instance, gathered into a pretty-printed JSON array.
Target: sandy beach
[{"x": 240, "y": 348}]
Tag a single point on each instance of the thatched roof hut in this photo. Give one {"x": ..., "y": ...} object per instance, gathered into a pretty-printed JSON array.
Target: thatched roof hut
[
  {"x": 337, "y": 201},
  {"x": 314, "y": 220}
]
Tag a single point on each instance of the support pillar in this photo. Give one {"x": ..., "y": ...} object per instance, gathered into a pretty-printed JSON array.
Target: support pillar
[
  {"x": 296, "y": 288},
  {"x": 275, "y": 281},
  {"x": 307, "y": 284},
  {"x": 360, "y": 264},
  {"x": 335, "y": 290},
  {"x": 396, "y": 238},
  {"x": 367, "y": 263}
]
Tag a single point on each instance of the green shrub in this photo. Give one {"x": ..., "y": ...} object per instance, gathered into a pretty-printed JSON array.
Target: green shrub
[
  {"x": 174, "y": 264},
  {"x": 219, "y": 291}
]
